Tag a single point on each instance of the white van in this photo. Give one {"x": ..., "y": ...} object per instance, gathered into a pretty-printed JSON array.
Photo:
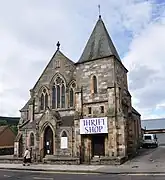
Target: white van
[{"x": 150, "y": 140}]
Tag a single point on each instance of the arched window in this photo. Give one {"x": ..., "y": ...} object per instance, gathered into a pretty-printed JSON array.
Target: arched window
[
  {"x": 71, "y": 95},
  {"x": 58, "y": 96},
  {"x": 44, "y": 100},
  {"x": 94, "y": 84},
  {"x": 58, "y": 93},
  {"x": 31, "y": 139},
  {"x": 54, "y": 97},
  {"x": 63, "y": 96},
  {"x": 64, "y": 140}
]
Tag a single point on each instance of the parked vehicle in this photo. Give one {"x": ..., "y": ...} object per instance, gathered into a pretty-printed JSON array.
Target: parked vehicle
[{"x": 150, "y": 140}]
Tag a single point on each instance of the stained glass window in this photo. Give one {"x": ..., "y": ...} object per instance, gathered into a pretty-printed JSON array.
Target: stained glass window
[
  {"x": 58, "y": 96},
  {"x": 71, "y": 97},
  {"x": 63, "y": 96},
  {"x": 42, "y": 101},
  {"x": 54, "y": 97}
]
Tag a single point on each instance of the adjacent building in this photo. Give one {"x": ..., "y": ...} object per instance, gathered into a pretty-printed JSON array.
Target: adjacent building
[
  {"x": 155, "y": 126},
  {"x": 81, "y": 112},
  {"x": 7, "y": 138}
]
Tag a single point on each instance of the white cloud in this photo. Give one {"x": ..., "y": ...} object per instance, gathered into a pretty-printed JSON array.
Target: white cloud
[
  {"x": 29, "y": 31},
  {"x": 147, "y": 50}
]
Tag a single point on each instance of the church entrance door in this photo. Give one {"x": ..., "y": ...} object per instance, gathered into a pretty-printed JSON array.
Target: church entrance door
[
  {"x": 98, "y": 147},
  {"x": 48, "y": 141}
]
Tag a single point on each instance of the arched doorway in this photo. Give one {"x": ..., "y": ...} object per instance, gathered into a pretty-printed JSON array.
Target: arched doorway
[{"x": 48, "y": 141}]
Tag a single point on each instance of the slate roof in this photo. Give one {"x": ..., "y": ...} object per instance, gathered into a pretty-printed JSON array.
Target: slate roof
[
  {"x": 99, "y": 44},
  {"x": 25, "y": 108},
  {"x": 136, "y": 112},
  {"x": 153, "y": 124}
]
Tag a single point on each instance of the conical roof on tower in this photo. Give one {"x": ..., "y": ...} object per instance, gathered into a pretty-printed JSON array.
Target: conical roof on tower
[{"x": 99, "y": 44}]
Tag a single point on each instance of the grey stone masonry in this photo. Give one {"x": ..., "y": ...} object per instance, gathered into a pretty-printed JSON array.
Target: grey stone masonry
[{"x": 66, "y": 92}]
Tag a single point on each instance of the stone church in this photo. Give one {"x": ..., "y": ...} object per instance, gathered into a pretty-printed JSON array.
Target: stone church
[{"x": 81, "y": 112}]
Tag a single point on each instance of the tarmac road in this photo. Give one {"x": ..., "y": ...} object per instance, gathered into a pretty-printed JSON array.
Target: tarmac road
[{"x": 25, "y": 175}]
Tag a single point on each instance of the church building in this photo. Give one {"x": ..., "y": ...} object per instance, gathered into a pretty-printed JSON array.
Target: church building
[{"x": 81, "y": 112}]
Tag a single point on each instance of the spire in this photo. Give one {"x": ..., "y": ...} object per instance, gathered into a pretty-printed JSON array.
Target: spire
[{"x": 99, "y": 44}]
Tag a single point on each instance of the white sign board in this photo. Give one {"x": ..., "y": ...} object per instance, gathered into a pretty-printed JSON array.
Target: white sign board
[
  {"x": 93, "y": 125},
  {"x": 64, "y": 142}
]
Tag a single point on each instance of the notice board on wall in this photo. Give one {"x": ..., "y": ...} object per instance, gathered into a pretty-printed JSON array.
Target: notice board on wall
[{"x": 64, "y": 142}]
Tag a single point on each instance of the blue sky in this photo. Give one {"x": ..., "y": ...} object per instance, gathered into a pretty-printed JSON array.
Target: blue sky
[{"x": 30, "y": 29}]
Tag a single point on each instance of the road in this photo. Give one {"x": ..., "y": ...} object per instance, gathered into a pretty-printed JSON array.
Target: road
[
  {"x": 157, "y": 155},
  {"x": 16, "y": 175}
]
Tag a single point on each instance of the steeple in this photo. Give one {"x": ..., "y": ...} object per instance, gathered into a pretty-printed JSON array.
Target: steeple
[{"x": 99, "y": 44}]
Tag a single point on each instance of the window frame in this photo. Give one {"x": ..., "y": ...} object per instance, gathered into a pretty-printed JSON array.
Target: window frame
[
  {"x": 44, "y": 99},
  {"x": 59, "y": 102}
]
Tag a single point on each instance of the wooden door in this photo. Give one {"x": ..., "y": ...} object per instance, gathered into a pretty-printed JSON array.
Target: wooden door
[{"x": 98, "y": 146}]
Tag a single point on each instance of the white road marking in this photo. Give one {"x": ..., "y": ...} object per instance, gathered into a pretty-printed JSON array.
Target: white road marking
[
  {"x": 144, "y": 174},
  {"x": 40, "y": 178},
  {"x": 6, "y": 176}
]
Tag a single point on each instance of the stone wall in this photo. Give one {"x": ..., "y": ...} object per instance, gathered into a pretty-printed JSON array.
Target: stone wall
[
  {"x": 112, "y": 94},
  {"x": 66, "y": 71},
  {"x": 70, "y": 134},
  {"x": 103, "y": 70}
]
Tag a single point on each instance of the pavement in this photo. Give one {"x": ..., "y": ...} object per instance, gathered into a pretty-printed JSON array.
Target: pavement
[
  {"x": 149, "y": 161},
  {"x": 15, "y": 175}
]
